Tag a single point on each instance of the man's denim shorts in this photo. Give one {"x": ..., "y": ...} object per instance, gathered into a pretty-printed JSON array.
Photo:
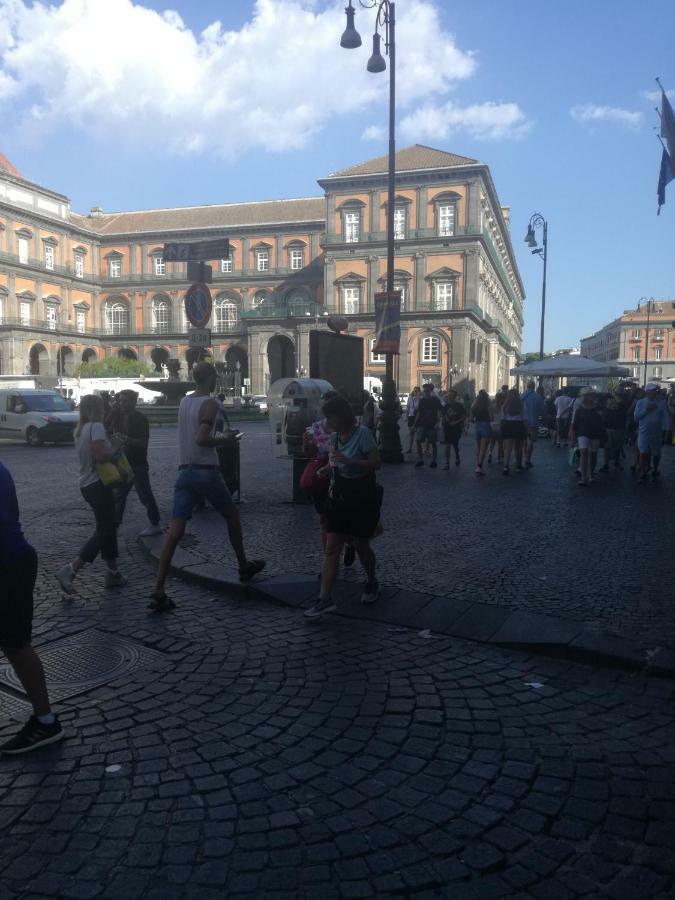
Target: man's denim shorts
[{"x": 194, "y": 485}]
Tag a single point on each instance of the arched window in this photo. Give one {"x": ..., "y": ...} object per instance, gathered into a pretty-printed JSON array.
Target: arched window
[
  {"x": 116, "y": 317},
  {"x": 261, "y": 298},
  {"x": 298, "y": 303},
  {"x": 161, "y": 316},
  {"x": 226, "y": 315}
]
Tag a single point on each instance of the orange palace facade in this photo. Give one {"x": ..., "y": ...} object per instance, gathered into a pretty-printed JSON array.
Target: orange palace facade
[{"x": 75, "y": 288}]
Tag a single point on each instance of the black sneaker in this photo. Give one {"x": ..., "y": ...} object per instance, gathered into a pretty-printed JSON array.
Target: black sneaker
[
  {"x": 252, "y": 567},
  {"x": 160, "y": 603},
  {"x": 350, "y": 555},
  {"x": 33, "y": 735}
]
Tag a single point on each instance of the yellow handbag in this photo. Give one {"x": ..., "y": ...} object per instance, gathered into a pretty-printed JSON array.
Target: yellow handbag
[{"x": 116, "y": 472}]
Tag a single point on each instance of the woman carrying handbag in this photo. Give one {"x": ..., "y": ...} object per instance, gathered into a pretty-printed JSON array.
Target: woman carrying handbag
[
  {"x": 352, "y": 505},
  {"x": 100, "y": 459}
]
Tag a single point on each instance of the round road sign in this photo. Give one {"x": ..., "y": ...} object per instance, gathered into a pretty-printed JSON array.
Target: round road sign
[{"x": 198, "y": 304}]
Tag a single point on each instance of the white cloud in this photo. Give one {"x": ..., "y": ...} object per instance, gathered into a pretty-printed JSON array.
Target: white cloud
[
  {"x": 590, "y": 113},
  {"x": 125, "y": 72},
  {"x": 655, "y": 96},
  {"x": 490, "y": 121},
  {"x": 374, "y": 133}
]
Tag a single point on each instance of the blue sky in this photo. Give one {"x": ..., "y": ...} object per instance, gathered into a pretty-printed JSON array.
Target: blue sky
[{"x": 122, "y": 105}]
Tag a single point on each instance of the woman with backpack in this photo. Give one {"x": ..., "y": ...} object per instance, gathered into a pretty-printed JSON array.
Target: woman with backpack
[{"x": 94, "y": 447}]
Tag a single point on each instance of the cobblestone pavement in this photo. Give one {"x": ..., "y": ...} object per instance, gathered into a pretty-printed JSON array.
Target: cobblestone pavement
[
  {"x": 532, "y": 542},
  {"x": 265, "y": 756}
]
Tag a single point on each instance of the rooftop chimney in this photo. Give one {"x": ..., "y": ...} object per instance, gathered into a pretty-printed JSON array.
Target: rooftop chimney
[{"x": 95, "y": 211}]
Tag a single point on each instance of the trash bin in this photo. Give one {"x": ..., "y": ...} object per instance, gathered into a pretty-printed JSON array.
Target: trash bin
[{"x": 228, "y": 460}]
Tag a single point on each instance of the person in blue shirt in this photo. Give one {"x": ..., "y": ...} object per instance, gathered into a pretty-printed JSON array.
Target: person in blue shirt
[
  {"x": 535, "y": 407},
  {"x": 651, "y": 416},
  {"x": 18, "y": 570}
]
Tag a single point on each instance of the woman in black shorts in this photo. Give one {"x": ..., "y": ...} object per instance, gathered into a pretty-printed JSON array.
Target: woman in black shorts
[{"x": 353, "y": 505}]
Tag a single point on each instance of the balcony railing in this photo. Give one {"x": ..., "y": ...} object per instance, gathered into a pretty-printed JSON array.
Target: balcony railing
[
  {"x": 46, "y": 325},
  {"x": 411, "y": 234},
  {"x": 39, "y": 264}
]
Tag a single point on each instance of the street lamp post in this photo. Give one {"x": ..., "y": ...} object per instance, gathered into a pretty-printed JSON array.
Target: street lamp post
[
  {"x": 538, "y": 221},
  {"x": 351, "y": 39}
]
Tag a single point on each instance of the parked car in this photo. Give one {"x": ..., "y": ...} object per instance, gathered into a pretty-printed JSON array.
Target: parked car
[
  {"x": 36, "y": 416},
  {"x": 260, "y": 400}
]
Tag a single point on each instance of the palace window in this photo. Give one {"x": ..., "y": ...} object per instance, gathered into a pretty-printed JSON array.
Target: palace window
[
  {"x": 443, "y": 295},
  {"x": 400, "y": 217},
  {"x": 636, "y": 333},
  {"x": 24, "y": 312},
  {"x": 81, "y": 321},
  {"x": 430, "y": 350},
  {"x": 23, "y": 250},
  {"x": 49, "y": 256},
  {"x": 352, "y": 225},
  {"x": 262, "y": 260},
  {"x": 79, "y": 265},
  {"x": 376, "y": 358},
  {"x": 297, "y": 258},
  {"x": 657, "y": 372},
  {"x": 260, "y": 299},
  {"x": 351, "y": 299},
  {"x": 636, "y": 354},
  {"x": 446, "y": 219},
  {"x": 227, "y": 265},
  {"x": 657, "y": 352},
  {"x": 226, "y": 315},
  {"x": 161, "y": 317},
  {"x": 114, "y": 267},
  {"x": 160, "y": 265},
  {"x": 52, "y": 317},
  {"x": 402, "y": 286},
  {"x": 116, "y": 318}
]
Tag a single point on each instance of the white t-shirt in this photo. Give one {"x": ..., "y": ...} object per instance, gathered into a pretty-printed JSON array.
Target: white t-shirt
[
  {"x": 562, "y": 405},
  {"x": 92, "y": 431}
]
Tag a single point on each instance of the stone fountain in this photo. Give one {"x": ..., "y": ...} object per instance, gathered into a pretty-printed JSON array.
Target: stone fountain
[{"x": 172, "y": 388}]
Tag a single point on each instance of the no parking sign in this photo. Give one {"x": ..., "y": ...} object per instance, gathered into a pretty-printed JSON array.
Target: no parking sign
[{"x": 198, "y": 304}]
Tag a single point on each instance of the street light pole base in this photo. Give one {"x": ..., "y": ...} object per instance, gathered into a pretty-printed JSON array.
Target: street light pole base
[{"x": 390, "y": 440}]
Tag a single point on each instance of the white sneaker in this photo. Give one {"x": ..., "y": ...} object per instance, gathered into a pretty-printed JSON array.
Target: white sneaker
[
  {"x": 370, "y": 594},
  {"x": 319, "y": 608},
  {"x": 114, "y": 579},
  {"x": 64, "y": 576},
  {"x": 151, "y": 530}
]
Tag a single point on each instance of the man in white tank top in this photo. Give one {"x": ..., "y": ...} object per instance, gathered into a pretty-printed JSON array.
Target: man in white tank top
[{"x": 199, "y": 479}]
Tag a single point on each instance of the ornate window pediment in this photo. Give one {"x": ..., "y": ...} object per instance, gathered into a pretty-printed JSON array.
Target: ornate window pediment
[
  {"x": 349, "y": 277},
  {"x": 445, "y": 272}
]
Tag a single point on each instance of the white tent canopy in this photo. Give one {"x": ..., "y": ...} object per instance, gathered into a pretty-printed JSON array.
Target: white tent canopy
[{"x": 568, "y": 366}]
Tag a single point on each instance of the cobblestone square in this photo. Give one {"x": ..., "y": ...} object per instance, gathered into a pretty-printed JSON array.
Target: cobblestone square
[{"x": 259, "y": 755}]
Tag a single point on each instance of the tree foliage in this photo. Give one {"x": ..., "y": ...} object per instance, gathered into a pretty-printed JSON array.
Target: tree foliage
[{"x": 112, "y": 367}]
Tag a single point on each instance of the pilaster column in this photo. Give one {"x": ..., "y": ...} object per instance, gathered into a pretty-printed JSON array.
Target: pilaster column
[
  {"x": 278, "y": 252},
  {"x": 145, "y": 262},
  {"x": 471, "y": 278},
  {"x": 373, "y": 212},
  {"x": 421, "y": 208},
  {"x": 12, "y": 310},
  {"x": 330, "y": 214},
  {"x": 372, "y": 286},
  {"x": 329, "y": 287},
  {"x": 132, "y": 260},
  {"x": 244, "y": 256},
  {"x": 491, "y": 376},
  {"x": 313, "y": 246},
  {"x": 473, "y": 206},
  {"x": 420, "y": 284}
]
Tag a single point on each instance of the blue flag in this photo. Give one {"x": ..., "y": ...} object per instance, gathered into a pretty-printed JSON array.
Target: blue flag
[{"x": 666, "y": 175}]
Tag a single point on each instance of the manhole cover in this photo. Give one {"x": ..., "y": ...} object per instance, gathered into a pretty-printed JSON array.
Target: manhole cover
[
  {"x": 13, "y": 708},
  {"x": 84, "y": 661}
]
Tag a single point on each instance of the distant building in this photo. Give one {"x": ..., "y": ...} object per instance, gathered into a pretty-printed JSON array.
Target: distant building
[
  {"x": 625, "y": 341},
  {"x": 75, "y": 288},
  {"x": 567, "y": 351}
]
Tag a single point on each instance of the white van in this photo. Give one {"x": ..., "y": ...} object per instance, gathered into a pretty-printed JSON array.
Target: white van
[{"x": 36, "y": 416}]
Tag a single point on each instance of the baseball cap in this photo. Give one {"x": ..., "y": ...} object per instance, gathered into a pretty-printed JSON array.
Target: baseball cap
[{"x": 651, "y": 386}]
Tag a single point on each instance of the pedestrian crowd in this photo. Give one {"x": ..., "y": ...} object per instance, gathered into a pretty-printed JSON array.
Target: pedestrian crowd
[
  {"x": 111, "y": 441},
  {"x": 629, "y": 422}
]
